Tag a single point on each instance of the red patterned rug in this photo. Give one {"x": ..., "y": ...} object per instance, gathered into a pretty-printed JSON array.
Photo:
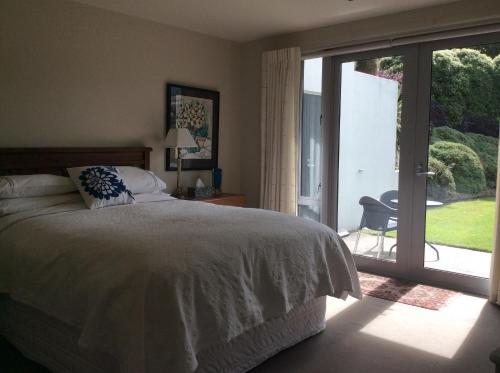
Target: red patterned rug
[{"x": 403, "y": 291}]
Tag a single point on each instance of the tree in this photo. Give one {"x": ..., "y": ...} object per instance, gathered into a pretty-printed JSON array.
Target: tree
[
  {"x": 450, "y": 84},
  {"x": 491, "y": 50},
  {"x": 478, "y": 68}
]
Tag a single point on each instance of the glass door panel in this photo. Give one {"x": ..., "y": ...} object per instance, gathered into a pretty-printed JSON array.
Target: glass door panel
[
  {"x": 369, "y": 148},
  {"x": 462, "y": 159},
  {"x": 310, "y": 140}
]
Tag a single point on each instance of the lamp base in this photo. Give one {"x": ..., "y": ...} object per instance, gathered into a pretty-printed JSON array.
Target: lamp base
[{"x": 179, "y": 193}]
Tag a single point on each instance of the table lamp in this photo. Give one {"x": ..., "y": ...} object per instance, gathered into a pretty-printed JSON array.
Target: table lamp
[{"x": 178, "y": 138}]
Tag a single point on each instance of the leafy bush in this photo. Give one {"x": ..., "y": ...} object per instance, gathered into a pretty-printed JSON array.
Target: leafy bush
[
  {"x": 441, "y": 186},
  {"x": 449, "y": 134},
  {"x": 450, "y": 84},
  {"x": 492, "y": 50},
  {"x": 486, "y": 147},
  {"x": 478, "y": 67},
  {"x": 465, "y": 88},
  {"x": 438, "y": 116},
  {"x": 367, "y": 66},
  {"x": 464, "y": 164},
  {"x": 483, "y": 125},
  {"x": 392, "y": 64},
  {"x": 496, "y": 83}
]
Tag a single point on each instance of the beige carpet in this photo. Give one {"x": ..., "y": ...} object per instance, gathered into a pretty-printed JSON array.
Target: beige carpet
[{"x": 376, "y": 335}]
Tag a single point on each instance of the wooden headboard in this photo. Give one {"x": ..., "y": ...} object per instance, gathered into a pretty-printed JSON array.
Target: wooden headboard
[{"x": 56, "y": 160}]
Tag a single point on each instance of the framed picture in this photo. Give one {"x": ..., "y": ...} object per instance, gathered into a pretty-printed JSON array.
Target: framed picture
[{"x": 197, "y": 110}]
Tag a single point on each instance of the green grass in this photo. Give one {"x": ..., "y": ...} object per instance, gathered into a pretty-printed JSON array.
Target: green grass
[{"x": 466, "y": 224}]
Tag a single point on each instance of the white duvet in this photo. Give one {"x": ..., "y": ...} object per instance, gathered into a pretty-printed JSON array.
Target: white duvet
[{"x": 155, "y": 282}]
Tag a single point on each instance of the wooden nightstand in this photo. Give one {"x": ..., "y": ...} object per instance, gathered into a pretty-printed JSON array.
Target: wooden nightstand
[{"x": 227, "y": 199}]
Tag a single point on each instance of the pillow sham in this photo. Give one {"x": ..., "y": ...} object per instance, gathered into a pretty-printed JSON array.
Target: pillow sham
[
  {"x": 15, "y": 205},
  {"x": 100, "y": 186},
  {"x": 141, "y": 181},
  {"x": 16, "y": 186}
]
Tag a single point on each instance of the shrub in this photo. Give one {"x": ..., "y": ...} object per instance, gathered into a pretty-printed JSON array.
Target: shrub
[
  {"x": 441, "y": 186},
  {"x": 465, "y": 82},
  {"x": 392, "y": 64},
  {"x": 496, "y": 83},
  {"x": 464, "y": 164},
  {"x": 478, "y": 67},
  {"x": 450, "y": 84},
  {"x": 482, "y": 125},
  {"x": 367, "y": 66},
  {"x": 438, "y": 117},
  {"x": 449, "y": 134},
  {"x": 486, "y": 147},
  {"x": 492, "y": 50}
]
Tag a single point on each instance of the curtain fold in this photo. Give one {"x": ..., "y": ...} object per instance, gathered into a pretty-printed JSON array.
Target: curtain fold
[
  {"x": 279, "y": 129},
  {"x": 495, "y": 257}
]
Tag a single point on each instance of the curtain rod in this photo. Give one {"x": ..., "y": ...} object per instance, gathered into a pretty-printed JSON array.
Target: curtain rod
[{"x": 405, "y": 40}]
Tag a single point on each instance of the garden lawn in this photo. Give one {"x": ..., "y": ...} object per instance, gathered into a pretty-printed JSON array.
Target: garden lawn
[{"x": 466, "y": 224}]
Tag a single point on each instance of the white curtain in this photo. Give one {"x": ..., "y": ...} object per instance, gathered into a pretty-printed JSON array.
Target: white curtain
[
  {"x": 495, "y": 258},
  {"x": 279, "y": 129}
]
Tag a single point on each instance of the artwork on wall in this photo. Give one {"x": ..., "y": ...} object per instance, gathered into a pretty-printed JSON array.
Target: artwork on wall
[{"x": 197, "y": 110}]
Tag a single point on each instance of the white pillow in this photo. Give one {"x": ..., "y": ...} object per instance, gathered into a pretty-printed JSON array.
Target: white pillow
[
  {"x": 14, "y": 205},
  {"x": 100, "y": 186},
  {"x": 16, "y": 186},
  {"x": 141, "y": 181}
]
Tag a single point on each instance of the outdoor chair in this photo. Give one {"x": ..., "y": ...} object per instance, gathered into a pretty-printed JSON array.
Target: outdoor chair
[
  {"x": 387, "y": 198},
  {"x": 379, "y": 217}
]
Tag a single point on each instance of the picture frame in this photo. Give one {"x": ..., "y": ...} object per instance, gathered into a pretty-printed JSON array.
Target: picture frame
[{"x": 198, "y": 110}]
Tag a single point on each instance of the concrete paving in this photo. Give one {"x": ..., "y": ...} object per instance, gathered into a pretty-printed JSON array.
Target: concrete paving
[{"x": 452, "y": 259}]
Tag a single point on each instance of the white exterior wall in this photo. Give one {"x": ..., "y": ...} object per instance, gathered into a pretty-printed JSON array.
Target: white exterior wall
[{"x": 367, "y": 142}]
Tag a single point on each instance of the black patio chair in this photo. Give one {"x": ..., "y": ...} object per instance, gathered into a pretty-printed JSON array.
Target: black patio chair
[
  {"x": 388, "y": 197},
  {"x": 377, "y": 216}
]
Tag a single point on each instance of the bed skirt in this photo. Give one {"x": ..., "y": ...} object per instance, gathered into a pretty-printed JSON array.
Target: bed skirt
[{"x": 53, "y": 343}]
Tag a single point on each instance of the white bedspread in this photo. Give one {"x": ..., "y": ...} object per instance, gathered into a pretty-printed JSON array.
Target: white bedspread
[{"x": 154, "y": 283}]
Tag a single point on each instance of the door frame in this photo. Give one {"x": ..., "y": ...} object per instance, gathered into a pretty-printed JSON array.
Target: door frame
[{"x": 469, "y": 283}]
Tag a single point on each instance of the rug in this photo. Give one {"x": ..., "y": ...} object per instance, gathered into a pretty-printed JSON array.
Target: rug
[{"x": 404, "y": 291}]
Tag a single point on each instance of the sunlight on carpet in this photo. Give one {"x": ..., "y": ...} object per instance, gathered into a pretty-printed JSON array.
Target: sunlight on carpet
[{"x": 441, "y": 333}]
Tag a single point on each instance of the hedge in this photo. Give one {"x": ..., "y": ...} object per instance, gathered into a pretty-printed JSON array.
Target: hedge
[
  {"x": 486, "y": 147},
  {"x": 442, "y": 185},
  {"x": 464, "y": 164},
  {"x": 450, "y": 84},
  {"x": 452, "y": 135}
]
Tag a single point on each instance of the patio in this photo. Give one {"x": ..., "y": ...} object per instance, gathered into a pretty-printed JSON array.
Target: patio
[{"x": 452, "y": 259}]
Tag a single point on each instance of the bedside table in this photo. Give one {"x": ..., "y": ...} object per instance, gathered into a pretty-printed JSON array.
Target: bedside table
[{"x": 227, "y": 199}]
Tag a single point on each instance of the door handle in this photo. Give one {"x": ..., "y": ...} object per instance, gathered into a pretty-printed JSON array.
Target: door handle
[
  {"x": 420, "y": 170},
  {"x": 429, "y": 173}
]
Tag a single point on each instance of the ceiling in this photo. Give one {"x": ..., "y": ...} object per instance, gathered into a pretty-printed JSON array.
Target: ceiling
[{"x": 246, "y": 20}]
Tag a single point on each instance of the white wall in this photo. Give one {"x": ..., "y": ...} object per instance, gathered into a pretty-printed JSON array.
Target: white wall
[
  {"x": 368, "y": 119},
  {"x": 75, "y": 75}
]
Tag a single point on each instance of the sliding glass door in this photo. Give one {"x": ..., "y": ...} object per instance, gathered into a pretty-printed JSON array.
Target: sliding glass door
[{"x": 416, "y": 148}]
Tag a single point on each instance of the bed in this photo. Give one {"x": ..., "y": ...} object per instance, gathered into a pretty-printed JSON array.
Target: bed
[{"x": 163, "y": 285}]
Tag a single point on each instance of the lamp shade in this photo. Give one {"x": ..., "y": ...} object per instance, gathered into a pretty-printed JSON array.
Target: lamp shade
[{"x": 179, "y": 138}]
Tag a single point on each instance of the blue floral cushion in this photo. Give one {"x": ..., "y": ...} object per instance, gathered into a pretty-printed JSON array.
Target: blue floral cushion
[{"x": 100, "y": 186}]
